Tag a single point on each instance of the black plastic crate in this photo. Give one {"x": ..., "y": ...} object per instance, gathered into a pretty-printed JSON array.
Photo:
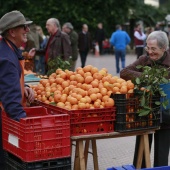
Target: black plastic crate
[
  {"x": 14, "y": 163},
  {"x": 127, "y": 119}
]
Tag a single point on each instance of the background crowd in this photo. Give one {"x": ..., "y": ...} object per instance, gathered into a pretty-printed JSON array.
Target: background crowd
[{"x": 69, "y": 43}]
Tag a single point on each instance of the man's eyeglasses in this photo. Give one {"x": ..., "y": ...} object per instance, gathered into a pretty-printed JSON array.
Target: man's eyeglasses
[
  {"x": 151, "y": 49},
  {"x": 25, "y": 27}
]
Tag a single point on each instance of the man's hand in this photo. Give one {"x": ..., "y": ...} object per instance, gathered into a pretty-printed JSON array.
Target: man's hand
[
  {"x": 29, "y": 94},
  {"x": 32, "y": 52}
]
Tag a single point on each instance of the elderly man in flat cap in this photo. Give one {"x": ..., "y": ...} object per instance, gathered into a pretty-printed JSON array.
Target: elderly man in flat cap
[
  {"x": 69, "y": 29},
  {"x": 13, "y": 93}
]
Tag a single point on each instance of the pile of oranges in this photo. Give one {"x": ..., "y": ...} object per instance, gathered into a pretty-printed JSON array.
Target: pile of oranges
[{"x": 86, "y": 88}]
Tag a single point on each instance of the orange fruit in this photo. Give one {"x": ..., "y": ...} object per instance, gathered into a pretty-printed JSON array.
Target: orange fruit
[
  {"x": 94, "y": 70},
  {"x": 72, "y": 77},
  {"x": 120, "y": 80},
  {"x": 65, "y": 84},
  {"x": 115, "y": 89},
  {"x": 93, "y": 97},
  {"x": 130, "y": 85},
  {"x": 58, "y": 70},
  {"x": 87, "y": 74},
  {"x": 63, "y": 75},
  {"x": 60, "y": 104},
  {"x": 68, "y": 107},
  {"x": 117, "y": 85},
  {"x": 83, "y": 100},
  {"x": 81, "y": 72},
  {"x": 88, "y": 99},
  {"x": 57, "y": 97},
  {"x": 96, "y": 104},
  {"x": 109, "y": 102},
  {"x": 73, "y": 101},
  {"x": 103, "y": 91},
  {"x": 99, "y": 95},
  {"x": 59, "y": 80},
  {"x": 104, "y": 98},
  {"x": 87, "y": 68},
  {"x": 88, "y": 79},
  {"x": 94, "y": 83},
  {"x": 97, "y": 76},
  {"x": 123, "y": 90},
  {"x": 63, "y": 98},
  {"x": 81, "y": 105},
  {"x": 74, "y": 107}
]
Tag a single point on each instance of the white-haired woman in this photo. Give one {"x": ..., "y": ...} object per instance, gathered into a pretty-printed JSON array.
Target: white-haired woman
[{"x": 157, "y": 45}]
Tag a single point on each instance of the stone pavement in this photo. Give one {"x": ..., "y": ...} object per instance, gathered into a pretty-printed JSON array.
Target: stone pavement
[{"x": 117, "y": 151}]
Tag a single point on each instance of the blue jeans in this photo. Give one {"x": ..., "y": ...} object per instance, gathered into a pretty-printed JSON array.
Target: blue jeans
[
  {"x": 40, "y": 65},
  {"x": 120, "y": 54}
]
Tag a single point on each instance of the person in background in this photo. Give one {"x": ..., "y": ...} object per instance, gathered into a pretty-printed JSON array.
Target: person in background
[
  {"x": 157, "y": 45},
  {"x": 13, "y": 93},
  {"x": 34, "y": 41},
  {"x": 120, "y": 39},
  {"x": 59, "y": 44},
  {"x": 69, "y": 29},
  {"x": 100, "y": 37},
  {"x": 84, "y": 44},
  {"x": 139, "y": 40},
  {"x": 106, "y": 46},
  {"x": 41, "y": 63},
  {"x": 157, "y": 27}
]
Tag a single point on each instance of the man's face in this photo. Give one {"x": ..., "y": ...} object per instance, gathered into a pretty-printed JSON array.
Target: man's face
[
  {"x": 153, "y": 50},
  {"x": 51, "y": 27},
  {"x": 85, "y": 28},
  {"x": 65, "y": 29},
  {"x": 20, "y": 34}
]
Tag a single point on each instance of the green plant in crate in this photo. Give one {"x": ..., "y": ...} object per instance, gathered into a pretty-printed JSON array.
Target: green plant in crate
[
  {"x": 58, "y": 62},
  {"x": 148, "y": 85}
]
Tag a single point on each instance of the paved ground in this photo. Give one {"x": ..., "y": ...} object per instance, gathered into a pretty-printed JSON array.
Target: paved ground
[{"x": 117, "y": 151}]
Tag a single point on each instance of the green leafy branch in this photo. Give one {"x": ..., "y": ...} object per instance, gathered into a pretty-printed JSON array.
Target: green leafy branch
[
  {"x": 58, "y": 62},
  {"x": 147, "y": 86}
]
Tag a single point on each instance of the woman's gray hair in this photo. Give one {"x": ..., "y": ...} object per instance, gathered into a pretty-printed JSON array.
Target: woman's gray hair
[{"x": 161, "y": 37}]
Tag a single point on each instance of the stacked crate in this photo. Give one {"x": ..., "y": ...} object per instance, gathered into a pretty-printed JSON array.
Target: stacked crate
[
  {"x": 86, "y": 121},
  {"x": 127, "y": 118},
  {"x": 38, "y": 142}
]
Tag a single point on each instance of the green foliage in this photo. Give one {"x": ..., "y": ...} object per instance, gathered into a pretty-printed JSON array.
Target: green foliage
[
  {"x": 109, "y": 12},
  {"x": 147, "y": 86},
  {"x": 58, "y": 62}
]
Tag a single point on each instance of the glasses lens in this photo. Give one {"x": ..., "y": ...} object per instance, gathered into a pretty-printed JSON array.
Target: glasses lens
[{"x": 25, "y": 27}]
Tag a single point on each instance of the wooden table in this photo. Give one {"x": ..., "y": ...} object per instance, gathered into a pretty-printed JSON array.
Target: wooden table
[{"x": 81, "y": 152}]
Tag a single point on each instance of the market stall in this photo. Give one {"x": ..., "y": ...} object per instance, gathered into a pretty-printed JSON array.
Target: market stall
[{"x": 96, "y": 105}]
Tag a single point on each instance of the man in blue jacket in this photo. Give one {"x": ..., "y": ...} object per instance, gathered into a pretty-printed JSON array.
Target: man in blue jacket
[
  {"x": 13, "y": 93},
  {"x": 120, "y": 39}
]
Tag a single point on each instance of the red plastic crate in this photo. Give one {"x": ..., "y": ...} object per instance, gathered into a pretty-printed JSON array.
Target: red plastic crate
[
  {"x": 87, "y": 121},
  {"x": 40, "y": 136}
]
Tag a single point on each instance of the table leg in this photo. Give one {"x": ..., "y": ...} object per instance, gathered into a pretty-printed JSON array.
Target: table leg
[
  {"x": 81, "y": 155},
  {"x": 77, "y": 160},
  {"x": 95, "y": 159},
  {"x": 140, "y": 153},
  {"x": 147, "y": 151},
  {"x": 86, "y": 150}
]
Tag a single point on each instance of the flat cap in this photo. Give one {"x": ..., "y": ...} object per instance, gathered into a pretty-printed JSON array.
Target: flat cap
[
  {"x": 12, "y": 19},
  {"x": 69, "y": 25}
]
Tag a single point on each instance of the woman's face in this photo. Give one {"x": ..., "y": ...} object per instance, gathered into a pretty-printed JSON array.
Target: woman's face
[{"x": 153, "y": 50}]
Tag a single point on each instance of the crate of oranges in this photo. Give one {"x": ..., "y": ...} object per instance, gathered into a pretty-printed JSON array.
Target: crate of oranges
[{"x": 85, "y": 95}]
